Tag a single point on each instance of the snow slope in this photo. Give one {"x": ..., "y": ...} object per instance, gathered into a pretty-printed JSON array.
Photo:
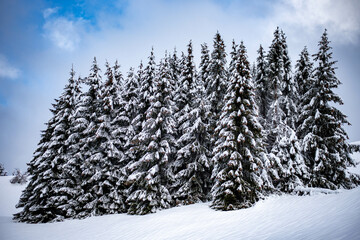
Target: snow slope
[{"x": 332, "y": 216}]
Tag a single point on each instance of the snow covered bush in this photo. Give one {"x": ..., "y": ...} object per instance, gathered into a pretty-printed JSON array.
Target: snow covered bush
[{"x": 19, "y": 177}]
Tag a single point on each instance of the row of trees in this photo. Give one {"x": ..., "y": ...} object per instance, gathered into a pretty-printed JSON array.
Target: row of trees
[{"x": 169, "y": 134}]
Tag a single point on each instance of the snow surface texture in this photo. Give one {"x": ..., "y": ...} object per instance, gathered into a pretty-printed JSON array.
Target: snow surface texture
[{"x": 318, "y": 216}]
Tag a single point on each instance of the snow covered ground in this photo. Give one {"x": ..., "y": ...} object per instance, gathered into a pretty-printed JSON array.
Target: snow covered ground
[{"x": 319, "y": 216}]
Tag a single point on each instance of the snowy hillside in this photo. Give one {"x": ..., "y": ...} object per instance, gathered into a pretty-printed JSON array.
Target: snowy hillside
[{"x": 319, "y": 216}]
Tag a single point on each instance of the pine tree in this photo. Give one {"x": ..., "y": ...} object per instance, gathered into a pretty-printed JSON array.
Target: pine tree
[
  {"x": 288, "y": 169},
  {"x": 289, "y": 88},
  {"x": 112, "y": 130},
  {"x": 175, "y": 69},
  {"x": 2, "y": 170},
  {"x": 216, "y": 83},
  {"x": 93, "y": 136},
  {"x": 324, "y": 139},
  {"x": 183, "y": 94},
  {"x": 240, "y": 177},
  {"x": 303, "y": 73},
  {"x": 204, "y": 71},
  {"x": 148, "y": 179},
  {"x": 130, "y": 97},
  {"x": 233, "y": 56},
  {"x": 262, "y": 85},
  {"x": 275, "y": 73},
  {"x": 146, "y": 79},
  {"x": 46, "y": 197},
  {"x": 282, "y": 92},
  {"x": 118, "y": 78},
  {"x": 192, "y": 164}
]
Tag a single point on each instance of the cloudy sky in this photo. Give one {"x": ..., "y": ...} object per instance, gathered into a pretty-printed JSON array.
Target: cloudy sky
[{"x": 40, "y": 40}]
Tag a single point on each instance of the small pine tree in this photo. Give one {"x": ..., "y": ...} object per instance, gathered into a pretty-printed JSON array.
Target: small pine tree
[
  {"x": 288, "y": 169},
  {"x": 240, "y": 177},
  {"x": 2, "y": 170},
  {"x": 324, "y": 139}
]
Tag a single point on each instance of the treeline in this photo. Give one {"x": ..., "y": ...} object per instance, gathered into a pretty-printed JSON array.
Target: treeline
[{"x": 170, "y": 134}]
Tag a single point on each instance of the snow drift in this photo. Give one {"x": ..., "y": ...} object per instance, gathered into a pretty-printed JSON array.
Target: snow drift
[{"x": 317, "y": 216}]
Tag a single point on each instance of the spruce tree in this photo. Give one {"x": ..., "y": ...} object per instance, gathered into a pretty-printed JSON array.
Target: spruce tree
[
  {"x": 204, "y": 71},
  {"x": 192, "y": 164},
  {"x": 216, "y": 84},
  {"x": 324, "y": 139},
  {"x": 288, "y": 169},
  {"x": 93, "y": 155},
  {"x": 233, "y": 57},
  {"x": 289, "y": 88},
  {"x": 148, "y": 175},
  {"x": 303, "y": 73},
  {"x": 262, "y": 85},
  {"x": 175, "y": 69},
  {"x": 275, "y": 74},
  {"x": 112, "y": 130},
  {"x": 130, "y": 97},
  {"x": 146, "y": 79},
  {"x": 183, "y": 94},
  {"x": 240, "y": 177},
  {"x": 47, "y": 196}
]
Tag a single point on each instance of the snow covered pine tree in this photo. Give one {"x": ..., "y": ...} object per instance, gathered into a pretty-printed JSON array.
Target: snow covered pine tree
[
  {"x": 192, "y": 164},
  {"x": 324, "y": 139},
  {"x": 46, "y": 197},
  {"x": 148, "y": 179},
  {"x": 240, "y": 177}
]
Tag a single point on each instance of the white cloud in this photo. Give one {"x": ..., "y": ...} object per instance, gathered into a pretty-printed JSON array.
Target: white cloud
[
  {"x": 6, "y": 70},
  {"x": 340, "y": 17},
  {"x": 49, "y": 11},
  {"x": 64, "y": 33}
]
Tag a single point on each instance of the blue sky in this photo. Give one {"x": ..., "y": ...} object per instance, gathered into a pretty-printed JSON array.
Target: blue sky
[{"x": 40, "y": 40}]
